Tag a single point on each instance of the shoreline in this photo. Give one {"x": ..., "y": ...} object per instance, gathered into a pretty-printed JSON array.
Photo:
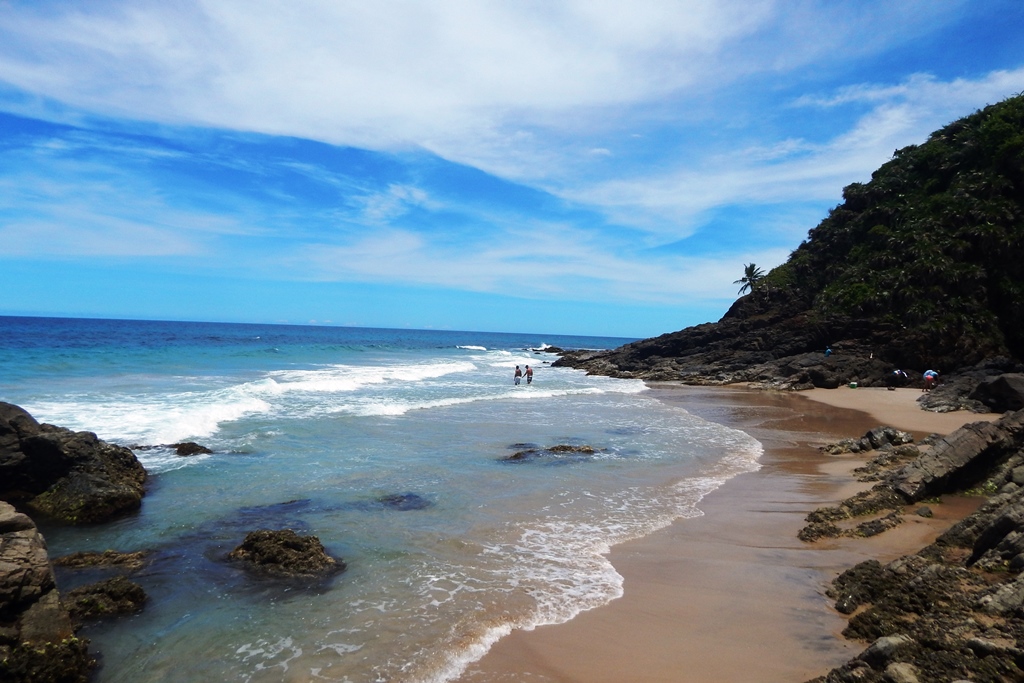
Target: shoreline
[{"x": 719, "y": 597}]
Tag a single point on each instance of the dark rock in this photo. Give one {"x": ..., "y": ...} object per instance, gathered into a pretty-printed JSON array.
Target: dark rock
[
  {"x": 37, "y": 641},
  {"x": 924, "y": 511},
  {"x": 285, "y": 553},
  {"x": 959, "y": 602},
  {"x": 858, "y": 585},
  {"x": 963, "y": 456},
  {"x": 187, "y": 448},
  {"x": 557, "y": 453},
  {"x": 404, "y": 501},
  {"x": 107, "y": 559},
  {"x": 112, "y": 597},
  {"x": 71, "y": 476},
  {"x": 876, "y": 526},
  {"x": 1001, "y": 393}
]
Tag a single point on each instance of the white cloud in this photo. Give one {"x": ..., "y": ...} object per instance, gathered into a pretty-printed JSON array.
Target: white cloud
[
  {"x": 674, "y": 200},
  {"x": 549, "y": 93}
]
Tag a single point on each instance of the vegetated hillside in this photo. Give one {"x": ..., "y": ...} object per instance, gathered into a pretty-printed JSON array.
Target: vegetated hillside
[{"x": 921, "y": 267}]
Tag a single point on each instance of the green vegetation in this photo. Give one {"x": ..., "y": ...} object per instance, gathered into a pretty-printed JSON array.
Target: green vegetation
[{"x": 931, "y": 248}]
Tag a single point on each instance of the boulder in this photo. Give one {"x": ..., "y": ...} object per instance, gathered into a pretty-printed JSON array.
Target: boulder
[
  {"x": 187, "y": 448},
  {"x": 1001, "y": 393},
  {"x": 111, "y": 597},
  {"x": 965, "y": 456},
  {"x": 37, "y": 640},
  {"x": 284, "y": 553},
  {"x": 73, "y": 477}
]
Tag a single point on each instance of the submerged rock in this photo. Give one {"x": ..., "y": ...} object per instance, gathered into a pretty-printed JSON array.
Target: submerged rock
[
  {"x": 559, "y": 451},
  {"x": 404, "y": 501},
  {"x": 112, "y": 597},
  {"x": 284, "y": 553},
  {"x": 106, "y": 559}
]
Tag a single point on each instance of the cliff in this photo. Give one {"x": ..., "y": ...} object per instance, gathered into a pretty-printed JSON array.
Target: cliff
[{"x": 922, "y": 267}]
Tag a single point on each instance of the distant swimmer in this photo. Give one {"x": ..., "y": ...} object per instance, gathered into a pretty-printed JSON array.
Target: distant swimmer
[
  {"x": 529, "y": 375},
  {"x": 518, "y": 376}
]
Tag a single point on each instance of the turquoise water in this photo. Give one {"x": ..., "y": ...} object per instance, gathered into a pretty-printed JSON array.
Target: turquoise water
[{"x": 310, "y": 427}]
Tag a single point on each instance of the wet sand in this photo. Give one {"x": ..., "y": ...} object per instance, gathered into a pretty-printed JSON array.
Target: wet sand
[{"x": 734, "y": 595}]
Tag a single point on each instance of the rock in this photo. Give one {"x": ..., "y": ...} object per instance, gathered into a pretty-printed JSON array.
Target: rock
[
  {"x": 187, "y": 448},
  {"x": 404, "y": 501},
  {"x": 924, "y": 511},
  {"x": 558, "y": 451},
  {"x": 1006, "y": 599},
  {"x": 963, "y": 456},
  {"x": 71, "y": 476},
  {"x": 37, "y": 641},
  {"x": 108, "y": 558},
  {"x": 860, "y": 584},
  {"x": 114, "y": 596},
  {"x": 1001, "y": 393},
  {"x": 901, "y": 672},
  {"x": 885, "y": 649},
  {"x": 285, "y": 553}
]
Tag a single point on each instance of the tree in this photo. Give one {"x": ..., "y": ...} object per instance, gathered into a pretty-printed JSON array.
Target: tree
[{"x": 751, "y": 275}]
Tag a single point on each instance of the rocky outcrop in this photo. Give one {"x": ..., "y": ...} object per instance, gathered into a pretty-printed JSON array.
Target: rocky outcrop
[
  {"x": 284, "y": 553},
  {"x": 107, "y": 559},
  {"x": 111, "y": 597},
  {"x": 964, "y": 459},
  {"x": 37, "y": 640},
  {"x": 70, "y": 476},
  {"x": 778, "y": 347},
  {"x": 954, "y": 610}
]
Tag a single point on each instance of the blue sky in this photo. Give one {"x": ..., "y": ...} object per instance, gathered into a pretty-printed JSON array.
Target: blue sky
[{"x": 581, "y": 167}]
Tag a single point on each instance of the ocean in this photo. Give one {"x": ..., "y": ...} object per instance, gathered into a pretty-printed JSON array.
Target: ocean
[{"x": 315, "y": 429}]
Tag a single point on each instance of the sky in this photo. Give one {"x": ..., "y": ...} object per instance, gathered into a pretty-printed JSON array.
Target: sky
[{"x": 567, "y": 167}]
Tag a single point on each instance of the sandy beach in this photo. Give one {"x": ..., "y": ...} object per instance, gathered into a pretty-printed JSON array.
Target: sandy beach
[{"x": 734, "y": 595}]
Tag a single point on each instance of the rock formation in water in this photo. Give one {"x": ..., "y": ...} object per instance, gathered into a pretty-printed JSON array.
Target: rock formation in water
[
  {"x": 70, "y": 476},
  {"x": 284, "y": 553}
]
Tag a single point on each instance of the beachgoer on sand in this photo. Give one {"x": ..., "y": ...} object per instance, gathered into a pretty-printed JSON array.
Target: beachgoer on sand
[
  {"x": 897, "y": 378},
  {"x": 518, "y": 376},
  {"x": 828, "y": 351},
  {"x": 931, "y": 378},
  {"x": 529, "y": 375}
]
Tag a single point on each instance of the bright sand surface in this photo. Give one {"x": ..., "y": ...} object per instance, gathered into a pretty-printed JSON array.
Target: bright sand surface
[{"x": 734, "y": 595}]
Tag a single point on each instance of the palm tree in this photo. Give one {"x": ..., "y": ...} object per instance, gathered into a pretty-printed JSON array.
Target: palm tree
[{"x": 751, "y": 275}]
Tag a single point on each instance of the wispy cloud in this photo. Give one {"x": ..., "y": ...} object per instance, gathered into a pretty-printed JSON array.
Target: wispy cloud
[{"x": 575, "y": 150}]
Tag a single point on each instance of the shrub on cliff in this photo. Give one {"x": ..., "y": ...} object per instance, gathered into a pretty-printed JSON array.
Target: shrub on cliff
[{"x": 933, "y": 245}]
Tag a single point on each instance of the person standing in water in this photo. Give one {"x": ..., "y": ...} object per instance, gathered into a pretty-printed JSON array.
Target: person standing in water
[
  {"x": 529, "y": 375},
  {"x": 518, "y": 376}
]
